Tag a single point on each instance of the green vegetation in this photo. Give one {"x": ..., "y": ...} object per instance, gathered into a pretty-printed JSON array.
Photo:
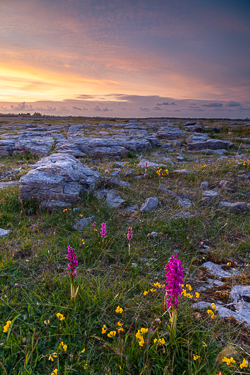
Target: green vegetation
[{"x": 35, "y": 285}]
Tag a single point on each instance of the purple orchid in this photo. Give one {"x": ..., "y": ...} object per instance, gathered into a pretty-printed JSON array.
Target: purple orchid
[{"x": 174, "y": 280}]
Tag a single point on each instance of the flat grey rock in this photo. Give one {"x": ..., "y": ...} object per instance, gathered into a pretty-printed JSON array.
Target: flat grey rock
[
  {"x": 150, "y": 164},
  {"x": 183, "y": 215},
  {"x": 234, "y": 207},
  {"x": 213, "y": 144},
  {"x": 53, "y": 205},
  {"x": 5, "y": 185},
  {"x": 217, "y": 270},
  {"x": 83, "y": 223},
  {"x": 182, "y": 171},
  {"x": 150, "y": 204},
  {"x": 113, "y": 199},
  {"x": 165, "y": 190},
  {"x": 210, "y": 194},
  {"x": 239, "y": 308},
  {"x": 131, "y": 209},
  {"x": 168, "y": 134},
  {"x": 117, "y": 182},
  {"x": 184, "y": 202},
  {"x": 4, "y": 232},
  {"x": 107, "y": 147},
  {"x": 129, "y": 172}
]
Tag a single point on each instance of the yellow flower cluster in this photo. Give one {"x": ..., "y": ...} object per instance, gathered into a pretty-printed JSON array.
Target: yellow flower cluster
[
  {"x": 104, "y": 329},
  {"x": 139, "y": 336},
  {"x": 185, "y": 294},
  {"x": 211, "y": 313},
  {"x": 111, "y": 334},
  {"x": 62, "y": 345},
  {"x": 52, "y": 356},
  {"x": 119, "y": 310},
  {"x": 189, "y": 295},
  {"x": 158, "y": 285},
  {"x": 196, "y": 357},
  {"x": 60, "y": 316},
  {"x": 55, "y": 372},
  {"x": 159, "y": 341},
  {"x": 7, "y": 326},
  {"x": 119, "y": 324},
  {"x": 244, "y": 363},
  {"x": 228, "y": 361}
]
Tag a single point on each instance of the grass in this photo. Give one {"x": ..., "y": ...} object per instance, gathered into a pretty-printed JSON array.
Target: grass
[{"x": 35, "y": 286}]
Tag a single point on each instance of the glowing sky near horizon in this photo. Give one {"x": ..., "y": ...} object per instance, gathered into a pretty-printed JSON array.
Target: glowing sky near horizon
[{"x": 126, "y": 58}]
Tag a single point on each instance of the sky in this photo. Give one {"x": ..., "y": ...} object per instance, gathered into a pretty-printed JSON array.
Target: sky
[{"x": 130, "y": 58}]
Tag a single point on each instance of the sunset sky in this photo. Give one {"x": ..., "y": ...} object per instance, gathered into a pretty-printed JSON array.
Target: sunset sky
[{"x": 130, "y": 58}]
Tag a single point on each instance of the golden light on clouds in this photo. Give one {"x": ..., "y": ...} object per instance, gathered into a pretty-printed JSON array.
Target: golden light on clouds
[{"x": 30, "y": 84}]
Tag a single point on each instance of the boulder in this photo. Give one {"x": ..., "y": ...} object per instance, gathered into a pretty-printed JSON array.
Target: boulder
[
  {"x": 58, "y": 177},
  {"x": 113, "y": 199},
  {"x": 149, "y": 204},
  {"x": 204, "y": 185}
]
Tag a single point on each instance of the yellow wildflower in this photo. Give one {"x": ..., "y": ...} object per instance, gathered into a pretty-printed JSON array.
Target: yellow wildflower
[
  {"x": 64, "y": 346},
  {"x": 7, "y": 326},
  {"x": 51, "y": 357},
  {"x": 188, "y": 287},
  {"x": 46, "y": 321},
  {"x": 228, "y": 361},
  {"x": 83, "y": 350},
  {"x": 213, "y": 306},
  {"x": 119, "y": 310},
  {"x": 244, "y": 363},
  {"x": 145, "y": 292},
  {"x": 159, "y": 341},
  {"x": 196, "y": 357},
  {"x": 111, "y": 334},
  {"x": 204, "y": 344},
  {"x": 197, "y": 295},
  {"x": 157, "y": 285},
  {"x": 60, "y": 316},
  {"x": 211, "y": 313},
  {"x": 55, "y": 372},
  {"x": 104, "y": 329},
  {"x": 144, "y": 330},
  {"x": 152, "y": 290},
  {"x": 141, "y": 342}
]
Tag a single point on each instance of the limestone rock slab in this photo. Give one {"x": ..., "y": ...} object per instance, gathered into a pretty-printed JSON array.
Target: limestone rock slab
[{"x": 58, "y": 177}]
